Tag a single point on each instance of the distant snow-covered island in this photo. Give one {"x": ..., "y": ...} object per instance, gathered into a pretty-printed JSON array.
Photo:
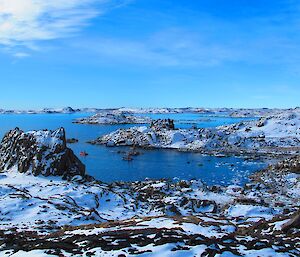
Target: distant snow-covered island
[
  {"x": 111, "y": 118},
  {"x": 50, "y": 206},
  {"x": 232, "y": 112},
  {"x": 277, "y": 133}
]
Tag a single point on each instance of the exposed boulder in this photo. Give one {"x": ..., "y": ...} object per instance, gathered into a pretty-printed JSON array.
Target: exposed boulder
[
  {"x": 261, "y": 122},
  {"x": 292, "y": 223},
  {"x": 39, "y": 152}
]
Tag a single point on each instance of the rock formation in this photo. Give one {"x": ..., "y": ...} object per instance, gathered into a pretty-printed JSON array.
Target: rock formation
[
  {"x": 39, "y": 152},
  {"x": 292, "y": 223},
  {"x": 162, "y": 124}
]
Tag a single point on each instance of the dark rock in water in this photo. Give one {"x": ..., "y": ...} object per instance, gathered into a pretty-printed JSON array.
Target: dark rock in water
[
  {"x": 39, "y": 152},
  {"x": 72, "y": 140}
]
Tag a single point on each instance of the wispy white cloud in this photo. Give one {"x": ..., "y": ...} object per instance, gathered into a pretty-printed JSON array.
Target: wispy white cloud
[
  {"x": 23, "y": 22},
  {"x": 169, "y": 48},
  {"x": 21, "y": 55}
]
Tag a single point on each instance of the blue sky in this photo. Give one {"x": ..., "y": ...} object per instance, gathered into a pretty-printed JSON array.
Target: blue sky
[{"x": 148, "y": 53}]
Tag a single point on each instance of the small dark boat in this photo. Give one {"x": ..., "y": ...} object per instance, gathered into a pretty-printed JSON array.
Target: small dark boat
[
  {"x": 134, "y": 153},
  {"x": 84, "y": 154},
  {"x": 127, "y": 158}
]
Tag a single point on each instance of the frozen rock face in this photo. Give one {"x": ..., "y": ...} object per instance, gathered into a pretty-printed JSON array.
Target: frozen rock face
[{"x": 39, "y": 152}]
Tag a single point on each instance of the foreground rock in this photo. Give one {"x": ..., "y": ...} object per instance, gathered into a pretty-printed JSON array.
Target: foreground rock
[
  {"x": 273, "y": 134},
  {"x": 39, "y": 153},
  {"x": 151, "y": 218}
]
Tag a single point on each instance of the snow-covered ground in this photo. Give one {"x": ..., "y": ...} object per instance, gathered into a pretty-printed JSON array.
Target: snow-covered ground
[
  {"x": 152, "y": 218},
  {"x": 269, "y": 134}
]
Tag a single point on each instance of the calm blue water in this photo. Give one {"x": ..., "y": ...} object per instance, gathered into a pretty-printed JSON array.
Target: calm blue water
[
  {"x": 188, "y": 120},
  {"x": 106, "y": 164}
]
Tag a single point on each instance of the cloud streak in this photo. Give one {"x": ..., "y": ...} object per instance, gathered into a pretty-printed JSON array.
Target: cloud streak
[
  {"x": 168, "y": 50},
  {"x": 25, "y": 21},
  {"x": 179, "y": 48}
]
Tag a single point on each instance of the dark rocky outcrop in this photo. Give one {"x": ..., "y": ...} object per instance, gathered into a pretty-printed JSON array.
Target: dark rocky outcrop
[
  {"x": 289, "y": 165},
  {"x": 68, "y": 110},
  {"x": 39, "y": 152},
  {"x": 72, "y": 140},
  {"x": 162, "y": 124}
]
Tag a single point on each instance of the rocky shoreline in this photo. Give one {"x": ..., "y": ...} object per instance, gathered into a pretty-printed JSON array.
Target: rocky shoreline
[{"x": 45, "y": 215}]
